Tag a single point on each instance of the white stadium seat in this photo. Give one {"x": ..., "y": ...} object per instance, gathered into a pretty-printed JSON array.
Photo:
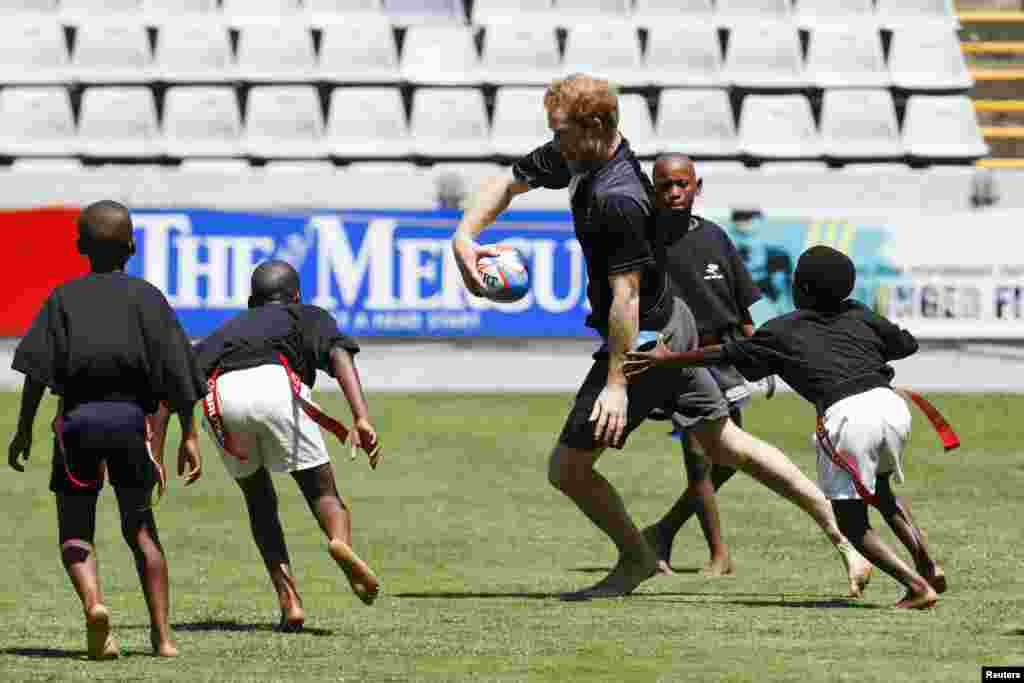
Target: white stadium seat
[
  {"x": 29, "y": 7},
  {"x": 33, "y": 52},
  {"x": 912, "y": 13},
  {"x": 520, "y": 54},
  {"x": 440, "y": 55},
  {"x": 450, "y": 122},
  {"x": 509, "y": 12},
  {"x": 846, "y": 56},
  {"x": 574, "y": 12},
  {"x": 84, "y": 11},
  {"x": 942, "y": 127},
  {"x": 368, "y": 122},
  {"x": 928, "y": 57},
  {"x": 202, "y": 121},
  {"x": 112, "y": 52},
  {"x": 860, "y": 124},
  {"x": 610, "y": 50},
  {"x": 416, "y": 12},
  {"x": 733, "y": 12},
  {"x": 275, "y": 53},
  {"x": 671, "y": 13},
  {"x": 764, "y": 54},
  {"x": 811, "y": 13},
  {"x": 199, "y": 52},
  {"x": 306, "y": 166},
  {"x": 778, "y": 127},
  {"x": 284, "y": 122},
  {"x": 328, "y": 12},
  {"x": 636, "y": 125},
  {"x": 119, "y": 122},
  {"x": 164, "y": 12},
  {"x": 46, "y": 165},
  {"x": 260, "y": 11},
  {"x": 683, "y": 54},
  {"x": 359, "y": 51},
  {"x": 226, "y": 166},
  {"x": 520, "y": 121},
  {"x": 696, "y": 122},
  {"x": 36, "y": 121}
]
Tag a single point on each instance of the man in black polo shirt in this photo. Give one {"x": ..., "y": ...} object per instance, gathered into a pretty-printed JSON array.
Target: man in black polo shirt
[
  {"x": 112, "y": 348},
  {"x": 612, "y": 207},
  {"x": 708, "y": 273}
]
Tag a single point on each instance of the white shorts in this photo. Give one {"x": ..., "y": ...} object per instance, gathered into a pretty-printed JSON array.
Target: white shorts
[
  {"x": 872, "y": 427},
  {"x": 259, "y": 410}
]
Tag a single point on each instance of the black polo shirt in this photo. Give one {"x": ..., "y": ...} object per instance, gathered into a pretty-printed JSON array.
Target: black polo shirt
[
  {"x": 111, "y": 337},
  {"x": 706, "y": 271},
  {"x": 825, "y": 357},
  {"x": 305, "y": 334},
  {"x": 612, "y": 211}
]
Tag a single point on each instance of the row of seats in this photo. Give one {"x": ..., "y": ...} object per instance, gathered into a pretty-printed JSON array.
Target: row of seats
[
  {"x": 766, "y": 54},
  {"x": 550, "y": 12},
  {"x": 286, "y": 122}
]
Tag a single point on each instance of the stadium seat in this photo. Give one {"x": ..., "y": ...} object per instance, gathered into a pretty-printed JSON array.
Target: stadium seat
[
  {"x": 416, "y": 12},
  {"x": 696, "y": 122},
  {"x": 609, "y": 50},
  {"x": 928, "y": 57},
  {"x": 119, "y": 122},
  {"x": 83, "y": 11},
  {"x": 462, "y": 179},
  {"x": 737, "y": 12},
  {"x": 112, "y": 52},
  {"x": 778, "y": 127},
  {"x": 226, "y": 166},
  {"x": 328, "y": 12},
  {"x": 361, "y": 50},
  {"x": 764, "y": 54},
  {"x": 440, "y": 55},
  {"x": 571, "y": 13},
  {"x": 306, "y": 166},
  {"x": 812, "y": 13},
  {"x": 163, "y": 12},
  {"x": 846, "y": 56},
  {"x": 375, "y": 185},
  {"x": 672, "y": 13},
  {"x": 244, "y": 12},
  {"x": 636, "y": 125},
  {"x": 202, "y": 121},
  {"x": 196, "y": 52},
  {"x": 683, "y": 54},
  {"x": 860, "y": 124},
  {"x": 450, "y": 123},
  {"x": 31, "y": 8},
  {"x": 512, "y": 12},
  {"x": 912, "y": 13},
  {"x": 520, "y": 54},
  {"x": 368, "y": 122},
  {"x": 32, "y": 52},
  {"x": 276, "y": 53},
  {"x": 942, "y": 127},
  {"x": 36, "y": 121},
  {"x": 520, "y": 121},
  {"x": 284, "y": 122},
  {"x": 50, "y": 165}
]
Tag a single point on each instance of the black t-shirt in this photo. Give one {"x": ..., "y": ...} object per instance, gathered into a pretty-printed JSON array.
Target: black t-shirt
[
  {"x": 111, "y": 336},
  {"x": 825, "y": 357},
  {"x": 706, "y": 271},
  {"x": 305, "y": 334},
  {"x": 612, "y": 210}
]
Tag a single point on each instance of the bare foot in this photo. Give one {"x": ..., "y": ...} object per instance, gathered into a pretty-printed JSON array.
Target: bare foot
[
  {"x": 362, "y": 579},
  {"x": 935, "y": 576},
  {"x": 624, "y": 578},
  {"x": 661, "y": 546},
  {"x": 293, "y": 618},
  {"x": 719, "y": 566},
  {"x": 162, "y": 647},
  {"x": 920, "y": 598},
  {"x": 100, "y": 642},
  {"x": 858, "y": 569}
]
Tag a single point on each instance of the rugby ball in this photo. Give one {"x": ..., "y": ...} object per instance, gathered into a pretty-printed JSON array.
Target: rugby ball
[{"x": 506, "y": 277}]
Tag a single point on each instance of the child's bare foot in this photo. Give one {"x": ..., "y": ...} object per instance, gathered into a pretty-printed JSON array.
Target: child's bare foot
[
  {"x": 661, "y": 546},
  {"x": 624, "y": 578},
  {"x": 919, "y": 597},
  {"x": 719, "y": 565},
  {"x": 362, "y": 579},
  {"x": 936, "y": 577},
  {"x": 100, "y": 642},
  {"x": 293, "y": 618},
  {"x": 858, "y": 569}
]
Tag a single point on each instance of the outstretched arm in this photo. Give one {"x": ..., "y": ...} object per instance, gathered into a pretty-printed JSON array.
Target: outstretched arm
[
  {"x": 21, "y": 444},
  {"x": 662, "y": 356}
]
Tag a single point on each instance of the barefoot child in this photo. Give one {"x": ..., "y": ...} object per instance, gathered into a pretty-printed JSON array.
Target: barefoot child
[
  {"x": 834, "y": 352},
  {"x": 112, "y": 348}
]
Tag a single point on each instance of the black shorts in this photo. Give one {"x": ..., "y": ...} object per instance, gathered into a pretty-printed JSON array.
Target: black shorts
[
  {"x": 692, "y": 391},
  {"x": 111, "y": 432}
]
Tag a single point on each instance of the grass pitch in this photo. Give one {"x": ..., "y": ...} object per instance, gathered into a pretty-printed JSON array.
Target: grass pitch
[{"x": 472, "y": 544}]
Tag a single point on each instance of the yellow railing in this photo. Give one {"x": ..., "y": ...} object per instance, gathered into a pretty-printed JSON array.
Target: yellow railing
[{"x": 988, "y": 17}]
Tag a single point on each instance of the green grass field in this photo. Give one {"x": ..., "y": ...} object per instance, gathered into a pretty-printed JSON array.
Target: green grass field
[{"x": 472, "y": 544}]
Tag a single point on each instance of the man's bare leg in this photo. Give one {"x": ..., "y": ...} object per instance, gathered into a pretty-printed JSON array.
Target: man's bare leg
[
  {"x": 727, "y": 444},
  {"x": 896, "y": 512},
  {"x": 318, "y": 487},
  {"x": 76, "y": 528},
  {"x": 571, "y": 470},
  {"x": 261, "y": 501},
  {"x": 138, "y": 526}
]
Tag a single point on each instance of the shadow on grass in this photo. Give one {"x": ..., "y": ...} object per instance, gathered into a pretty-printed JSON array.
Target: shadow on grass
[
  {"x": 605, "y": 570},
  {"x": 232, "y": 626},
  {"x": 43, "y": 652},
  {"x": 444, "y": 595},
  {"x": 814, "y": 603}
]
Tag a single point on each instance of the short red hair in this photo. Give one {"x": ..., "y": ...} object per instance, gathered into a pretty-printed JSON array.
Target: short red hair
[{"x": 586, "y": 101}]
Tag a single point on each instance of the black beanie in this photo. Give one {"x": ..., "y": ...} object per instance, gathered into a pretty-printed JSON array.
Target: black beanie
[{"x": 826, "y": 274}]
